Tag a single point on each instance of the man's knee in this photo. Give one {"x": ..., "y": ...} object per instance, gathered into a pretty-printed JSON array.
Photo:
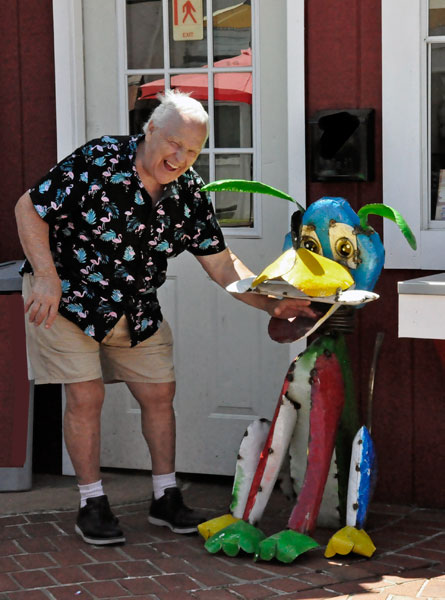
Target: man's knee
[
  {"x": 165, "y": 391},
  {"x": 85, "y": 396},
  {"x": 153, "y": 393}
]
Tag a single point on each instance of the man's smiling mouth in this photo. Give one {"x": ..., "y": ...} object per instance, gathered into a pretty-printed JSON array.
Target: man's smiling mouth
[{"x": 171, "y": 166}]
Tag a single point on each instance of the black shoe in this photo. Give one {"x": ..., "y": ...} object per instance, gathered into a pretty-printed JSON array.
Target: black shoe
[
  {"x": 96, "y": 524},
  {"x": 170, "y": 511}
]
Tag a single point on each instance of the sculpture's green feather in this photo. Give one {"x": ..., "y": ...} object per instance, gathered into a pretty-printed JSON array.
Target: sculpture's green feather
[
  {"x": 383, "y": 210},
  {"x": 249, "y": 187}
]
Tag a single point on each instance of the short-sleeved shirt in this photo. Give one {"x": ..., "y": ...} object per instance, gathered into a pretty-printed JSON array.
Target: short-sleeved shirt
[{"x": 110, "y": 245}]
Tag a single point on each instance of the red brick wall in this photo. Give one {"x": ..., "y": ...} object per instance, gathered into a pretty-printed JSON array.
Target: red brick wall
[
  {"x": 343, "y": 56},
  {"x": 27, "y": 107}
]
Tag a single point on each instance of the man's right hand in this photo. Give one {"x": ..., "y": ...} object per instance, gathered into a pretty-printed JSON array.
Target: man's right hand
[{"x": 43, "y": 303}]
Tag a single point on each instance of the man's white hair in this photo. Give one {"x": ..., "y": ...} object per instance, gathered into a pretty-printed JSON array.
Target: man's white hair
[{"x": 180, "y": 103}]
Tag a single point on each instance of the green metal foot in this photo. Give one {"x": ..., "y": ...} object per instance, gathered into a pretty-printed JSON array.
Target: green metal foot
[
  {"x": 236, "y": 537},
  {"x": 285, "y": 546}
]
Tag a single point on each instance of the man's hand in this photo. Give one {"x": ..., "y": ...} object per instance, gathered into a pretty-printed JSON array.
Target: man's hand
[
  {"x": 292, "y": 319},
  {"x": 290, "y": 307},
  {"x": 43, "y": 303}
]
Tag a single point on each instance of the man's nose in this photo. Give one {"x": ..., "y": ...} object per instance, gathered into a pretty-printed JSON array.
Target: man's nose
[{"x": 181, "y": 154}]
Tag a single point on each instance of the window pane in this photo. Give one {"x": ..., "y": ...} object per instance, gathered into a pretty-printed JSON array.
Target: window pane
[
  {"x": 202, "y": 167},
  {"x": 145, "y": 47},
  {"x": 231, "y": 28},
  {"x": 196, "y": 84},
  {"x": 233, "y": 86},
  {"x": 234, "y": 209},
  {"x": 187, "y": 53},
  {"x": 436, "y": 17},
  {"x": 437, "y": 135},
  {"x": 233, "y": 123},
  {"x": 140, "y": 108}
]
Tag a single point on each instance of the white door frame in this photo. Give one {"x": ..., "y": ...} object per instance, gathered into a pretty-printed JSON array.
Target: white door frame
[
  {"x": 296, "y": 121},
  {"x": 69, "y": 76}
]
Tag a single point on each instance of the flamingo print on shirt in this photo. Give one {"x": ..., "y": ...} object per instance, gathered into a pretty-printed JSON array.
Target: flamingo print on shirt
[{"x": 109, "y": 245}]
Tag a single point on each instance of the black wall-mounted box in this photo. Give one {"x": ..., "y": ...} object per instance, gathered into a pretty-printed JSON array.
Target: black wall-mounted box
[{"x": 342, "y": 145}]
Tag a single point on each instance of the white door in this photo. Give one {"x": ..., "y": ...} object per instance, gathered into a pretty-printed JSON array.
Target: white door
[{"x": 228, "y": 371}]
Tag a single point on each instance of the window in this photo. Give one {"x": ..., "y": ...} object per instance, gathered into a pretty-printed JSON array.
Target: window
[
  {"x": 413, "y": 120},
  {"x": 436, "y": 106},
  {"x": 215, "y": 63}
]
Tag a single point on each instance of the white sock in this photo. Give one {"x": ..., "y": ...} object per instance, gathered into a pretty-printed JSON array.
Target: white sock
[
  {"x": 90, "y": 490},
  {"x": 162, "y": 482}
]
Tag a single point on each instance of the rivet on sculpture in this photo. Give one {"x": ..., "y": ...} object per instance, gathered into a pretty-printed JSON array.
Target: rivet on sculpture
[{"x": 333, "y": 257}]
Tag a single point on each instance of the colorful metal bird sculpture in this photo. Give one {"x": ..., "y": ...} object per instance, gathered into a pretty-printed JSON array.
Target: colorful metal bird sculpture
[{"x": 333, "y": 257}]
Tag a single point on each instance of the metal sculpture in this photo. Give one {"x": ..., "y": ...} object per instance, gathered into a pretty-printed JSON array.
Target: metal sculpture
[{"x": 333, "y": 257}]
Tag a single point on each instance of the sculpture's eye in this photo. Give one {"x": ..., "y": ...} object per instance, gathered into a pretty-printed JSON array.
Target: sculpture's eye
[
  {"x": 310, "y": 240},
  {"x": 311, "y": 244},
  {"x": 343, "y": 242},
  {"x": 344, "y": 248}
]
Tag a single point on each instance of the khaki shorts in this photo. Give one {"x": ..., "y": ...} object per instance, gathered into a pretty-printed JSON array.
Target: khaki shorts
[{"x": 64, "y": 354}]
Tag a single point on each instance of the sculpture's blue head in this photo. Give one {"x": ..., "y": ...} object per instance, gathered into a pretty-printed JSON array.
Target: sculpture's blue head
[{"x": 331, "y": 227}]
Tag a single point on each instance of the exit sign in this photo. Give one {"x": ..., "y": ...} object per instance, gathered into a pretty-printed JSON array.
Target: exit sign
[{"x": 188, "y": 20}]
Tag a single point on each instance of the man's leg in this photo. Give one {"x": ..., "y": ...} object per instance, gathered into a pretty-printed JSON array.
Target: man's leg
[
  {"x": 84, "y": 402},
  {"x": 158, "y": 428},
  {"x": 158, "y": 422},
  {"x": 95, "y": 523}
]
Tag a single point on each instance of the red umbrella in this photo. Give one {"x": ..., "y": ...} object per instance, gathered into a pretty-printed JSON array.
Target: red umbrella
[{"x": 234, "y": 87}]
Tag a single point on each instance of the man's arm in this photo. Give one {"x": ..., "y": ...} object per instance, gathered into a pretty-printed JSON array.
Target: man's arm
[
  {"x": 225, "y": 268},
  {"x": 43, "y": 302}
]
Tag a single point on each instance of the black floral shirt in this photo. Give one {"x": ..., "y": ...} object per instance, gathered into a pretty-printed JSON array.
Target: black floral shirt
[{"x": 110, "y": 246}]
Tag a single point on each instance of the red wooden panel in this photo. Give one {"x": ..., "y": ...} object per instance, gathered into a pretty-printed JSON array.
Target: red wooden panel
[
  {"x": 14, "y": 385},
  {"x": 392, "y": 423},
  {"x": 429, "y": 425},
  {"x": 11, "y": 160},
  {"x": 332, "y": 39},
  {"x": 27, "y": 107},
  {"x": 344, "y": 71},
  {"x": 38, "y": 88}
]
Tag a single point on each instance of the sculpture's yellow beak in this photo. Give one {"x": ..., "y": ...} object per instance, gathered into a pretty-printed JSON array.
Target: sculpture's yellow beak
[{"x": 311, "y": 273}]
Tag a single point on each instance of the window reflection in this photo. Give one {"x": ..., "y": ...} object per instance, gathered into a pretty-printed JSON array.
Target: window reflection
[
  {"x": 436, "y": 20},
  {"x": 233, "y": 125},
  {"x": 437, "y": 134},
  {"x": 231, "y": 28},
  {"x": 139, "y": 110},
  {"x": 145, "y": 47},
  {"x": 234, "y": 209},
  {"x": 234, "y": 87},
  {"x": 196, "y": 84},
  {"x": 202, "y": 167}
]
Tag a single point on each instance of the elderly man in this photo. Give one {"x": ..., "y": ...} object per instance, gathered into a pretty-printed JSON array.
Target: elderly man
[{"x": 97, "y": 231}]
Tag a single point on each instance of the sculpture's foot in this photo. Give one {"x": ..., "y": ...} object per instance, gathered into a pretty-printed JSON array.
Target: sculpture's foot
[
  {"x": 349, "y": 539},
  {"x": 285, "y": 546},
  {"x": 211, "y": 527},
  {"x": 236, "y": 537}
]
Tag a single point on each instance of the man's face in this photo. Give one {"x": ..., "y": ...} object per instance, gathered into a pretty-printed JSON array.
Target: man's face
[{"x": 173, "y": 148}]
